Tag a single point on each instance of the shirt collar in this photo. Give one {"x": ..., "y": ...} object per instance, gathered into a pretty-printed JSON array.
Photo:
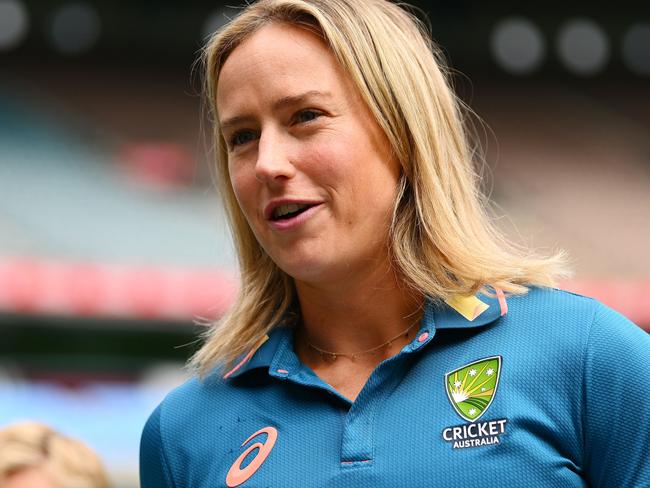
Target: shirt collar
[
  {"x": 467, "y": 312},
  {"x": 456, "y": 313},
  {"x": 263, "y": 355}
]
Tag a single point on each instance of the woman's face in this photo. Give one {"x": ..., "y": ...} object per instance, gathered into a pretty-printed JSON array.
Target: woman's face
[{"x": 311, "y": 169}]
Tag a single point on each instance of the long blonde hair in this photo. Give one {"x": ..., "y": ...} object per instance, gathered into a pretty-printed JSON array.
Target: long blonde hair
[{"x": 442, "y": 239}]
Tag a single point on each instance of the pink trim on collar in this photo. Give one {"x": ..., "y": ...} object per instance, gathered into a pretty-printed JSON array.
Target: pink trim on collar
[
  {"x": 502, "y": 301},
  {"x": 240, "y": 364},
  {"x": 246, "y": 358}
]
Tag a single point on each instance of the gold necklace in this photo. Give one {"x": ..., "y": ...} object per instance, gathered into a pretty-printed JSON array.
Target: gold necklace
[{"x": 332, "y": 356}]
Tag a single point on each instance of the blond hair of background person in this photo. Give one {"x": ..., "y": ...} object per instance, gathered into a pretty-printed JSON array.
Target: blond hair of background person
[{"x": 36, "y": 456}]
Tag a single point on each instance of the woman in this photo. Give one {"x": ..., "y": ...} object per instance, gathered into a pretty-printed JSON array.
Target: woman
[
  {"x": 33, "y": 455},
  {"x": 372, "y": 343}
]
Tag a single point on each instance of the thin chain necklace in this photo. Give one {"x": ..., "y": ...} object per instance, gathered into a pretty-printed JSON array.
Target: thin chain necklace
[{"x": 333, "y": 356}]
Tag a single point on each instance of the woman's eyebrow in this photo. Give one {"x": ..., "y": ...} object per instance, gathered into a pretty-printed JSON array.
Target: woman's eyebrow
[
  {"x": 279, "y": 104},
  {"x": 298, "y": 99},
  {"x": 234, "y": 121}
]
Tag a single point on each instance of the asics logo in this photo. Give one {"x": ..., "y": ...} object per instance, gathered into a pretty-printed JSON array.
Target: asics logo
[{"x": 236, "y": 475}]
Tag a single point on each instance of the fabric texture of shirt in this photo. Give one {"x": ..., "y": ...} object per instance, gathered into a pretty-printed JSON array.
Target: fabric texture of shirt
[{"x": 564, "y": 403}]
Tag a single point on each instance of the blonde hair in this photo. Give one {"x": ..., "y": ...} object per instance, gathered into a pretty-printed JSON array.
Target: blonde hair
[
  {"x": 442, "y": 239},
  {"x": 26, "y": 445}
]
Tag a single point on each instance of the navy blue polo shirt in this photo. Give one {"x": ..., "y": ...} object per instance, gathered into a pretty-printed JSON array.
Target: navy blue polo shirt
[{"x": 553, "y": 393}]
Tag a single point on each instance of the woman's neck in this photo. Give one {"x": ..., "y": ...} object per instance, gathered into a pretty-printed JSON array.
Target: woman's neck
[{"x": 356, "y": 314}]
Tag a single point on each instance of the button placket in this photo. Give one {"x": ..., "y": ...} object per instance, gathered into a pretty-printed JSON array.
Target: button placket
[{"x": 358, "y": 437}]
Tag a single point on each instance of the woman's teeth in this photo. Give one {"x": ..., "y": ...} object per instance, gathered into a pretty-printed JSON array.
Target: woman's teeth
[{"x": 282, "y": 211}]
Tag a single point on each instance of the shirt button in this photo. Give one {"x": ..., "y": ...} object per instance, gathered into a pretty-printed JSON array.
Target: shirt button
[{"x": 423, "y": 337}]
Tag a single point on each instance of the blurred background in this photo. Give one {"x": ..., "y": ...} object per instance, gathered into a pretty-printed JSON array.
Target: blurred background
[{"x": 112, "y": 239}]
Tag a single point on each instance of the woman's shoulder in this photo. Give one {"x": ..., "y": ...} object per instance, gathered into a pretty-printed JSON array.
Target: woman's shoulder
[
  {"x": 193, "y": 421},
  {"x": 195, "y": 398},
  {"x": 553, "y": 300},
  {"x": 553, "y": 307},
  {"x": 222, "y": 395},
  {"x": 197, "y": 412},
  {"x": 564, "y": 317}
]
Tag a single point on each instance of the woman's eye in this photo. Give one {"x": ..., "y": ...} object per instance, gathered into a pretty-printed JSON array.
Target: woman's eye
[
  {"x": 242, "y": 137},
  {"x": 307, "y": 115}
]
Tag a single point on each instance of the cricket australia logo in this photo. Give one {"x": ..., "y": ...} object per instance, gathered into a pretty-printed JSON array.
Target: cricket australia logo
[{"x": 471, "y": 390}]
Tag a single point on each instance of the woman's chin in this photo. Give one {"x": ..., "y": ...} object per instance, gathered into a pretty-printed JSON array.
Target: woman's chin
[
  {"x": 318, "y": 267},
  {"x": 311, "y": 271},
  {"x": 307, "y": 272}
]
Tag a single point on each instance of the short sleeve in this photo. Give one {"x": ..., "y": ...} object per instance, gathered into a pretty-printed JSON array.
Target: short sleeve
[
  {"x": 616, "y": 402},
  {"x": 154, "y": 470}
]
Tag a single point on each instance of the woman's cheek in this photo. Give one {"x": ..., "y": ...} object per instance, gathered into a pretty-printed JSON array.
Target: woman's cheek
[{"x": 244, "y": 193}]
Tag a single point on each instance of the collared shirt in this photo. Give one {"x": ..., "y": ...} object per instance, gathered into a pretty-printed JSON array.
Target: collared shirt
[{"x": 551, "y": 393}]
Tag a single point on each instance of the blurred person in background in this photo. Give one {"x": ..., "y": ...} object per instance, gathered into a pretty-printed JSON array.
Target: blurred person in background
[
  {"x": 386, "y": 333},
  {"x": 33, "y": 455}
]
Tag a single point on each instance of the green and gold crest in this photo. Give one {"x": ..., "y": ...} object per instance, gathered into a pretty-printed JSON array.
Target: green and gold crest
[{"x": 471, "y": 388}]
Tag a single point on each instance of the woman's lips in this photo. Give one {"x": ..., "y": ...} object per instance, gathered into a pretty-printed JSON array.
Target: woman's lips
[
  {"x": 296, "y": 220},
  {"x": 274, "y": 205}
]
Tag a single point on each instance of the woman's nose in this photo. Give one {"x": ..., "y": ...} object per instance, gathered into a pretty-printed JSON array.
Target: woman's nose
[{"x": 273, "y": 162}]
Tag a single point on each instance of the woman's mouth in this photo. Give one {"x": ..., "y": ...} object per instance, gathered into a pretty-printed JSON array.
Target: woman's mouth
[
  {"x": 288, "y": 211},
  {"x": 290, "y": 215}
]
